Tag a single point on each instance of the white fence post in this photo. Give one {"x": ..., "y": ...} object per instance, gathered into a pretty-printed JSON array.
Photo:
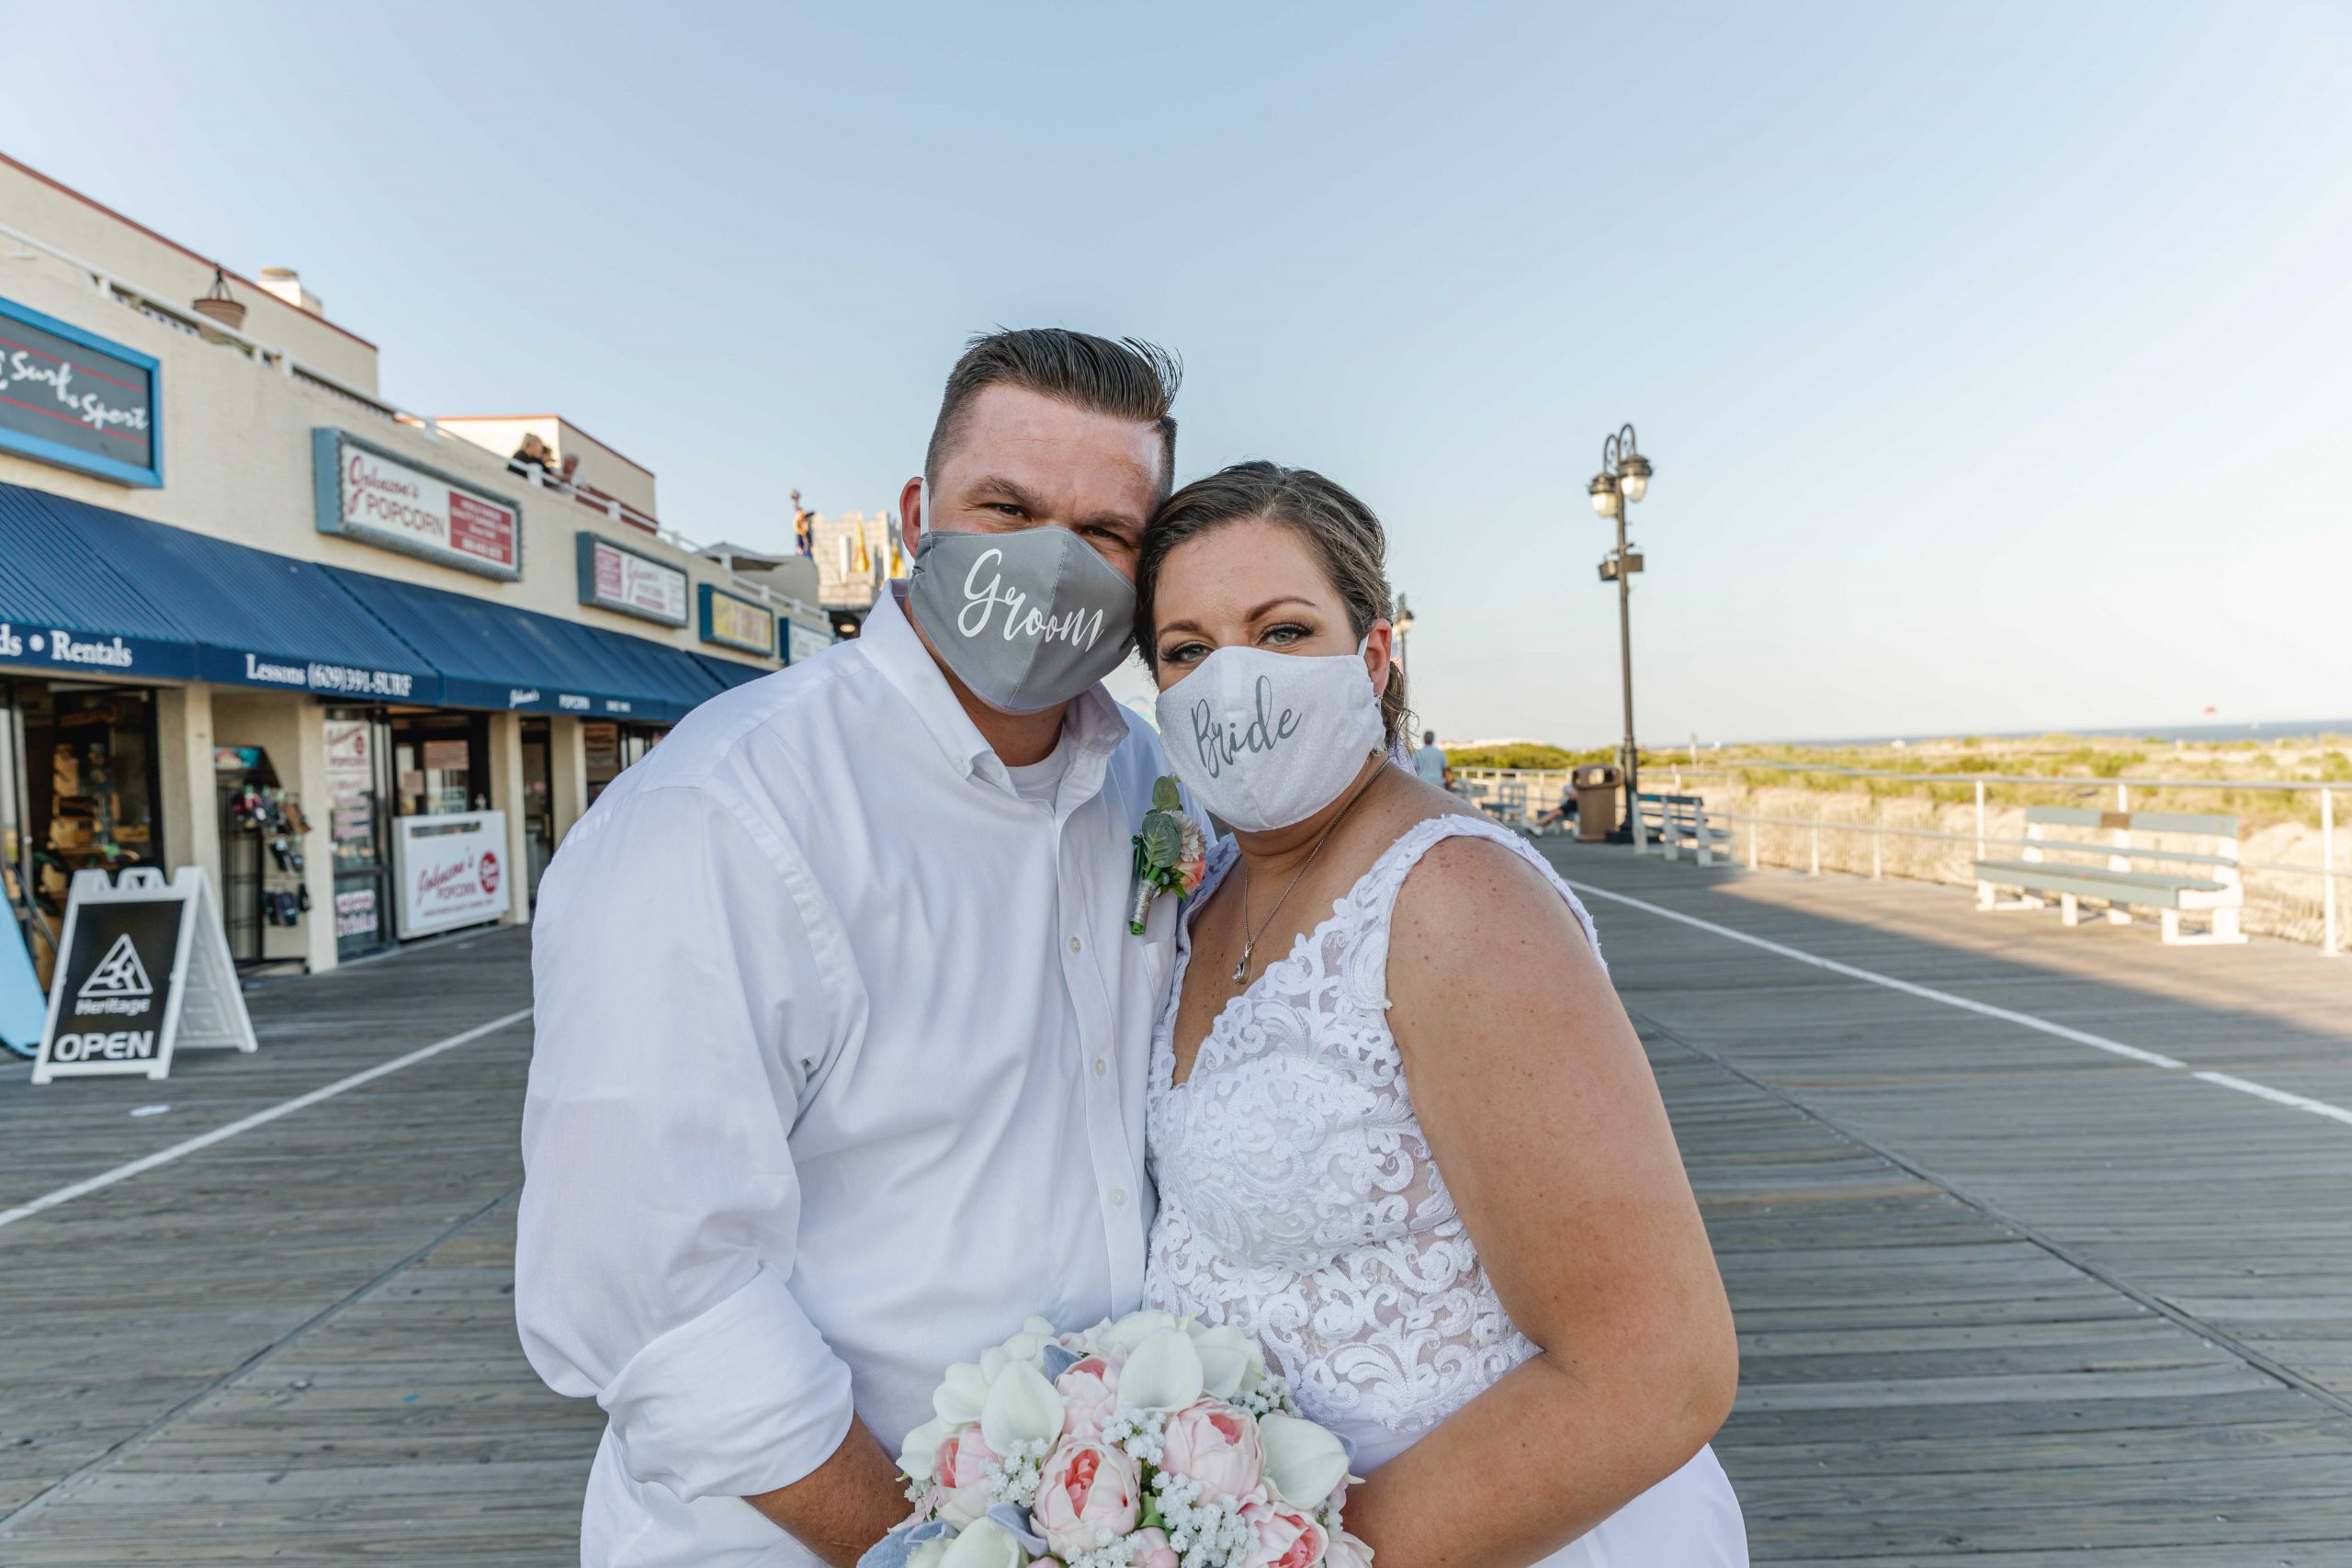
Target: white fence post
[
  {"x": 1816, "y": 849},
  {"x": 1980, "y": 818},
  {"x": 1751, "y": 845},
  {"x": 2327, "y": 870},
  {"x": 1875, "y": 842}
]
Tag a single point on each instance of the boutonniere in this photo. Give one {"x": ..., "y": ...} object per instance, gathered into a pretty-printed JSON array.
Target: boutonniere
[{"x": 1171, "y": 853}]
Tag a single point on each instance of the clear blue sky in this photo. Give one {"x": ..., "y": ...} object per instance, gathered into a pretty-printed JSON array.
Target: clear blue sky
[{"x": 1993, "y": 358}]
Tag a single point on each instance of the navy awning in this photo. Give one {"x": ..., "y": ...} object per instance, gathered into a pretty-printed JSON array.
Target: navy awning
[
  {"x": 64, "y": 607},
  {"x": 84, "y": 590},
  {"x": 92, "y": 592},
  {"x": 729, "y": 672},
  {"x": 495, "y": 656}
]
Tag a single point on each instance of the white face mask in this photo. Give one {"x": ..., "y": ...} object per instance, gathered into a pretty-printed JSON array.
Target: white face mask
[{"x": 1264, "y": 740}]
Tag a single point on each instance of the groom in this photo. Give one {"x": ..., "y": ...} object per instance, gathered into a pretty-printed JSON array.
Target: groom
[{"x": 841, "y": 1036}]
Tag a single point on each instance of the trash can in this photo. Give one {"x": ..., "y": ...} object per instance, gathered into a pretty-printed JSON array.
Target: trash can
[{"x": 1596, "y": 786}]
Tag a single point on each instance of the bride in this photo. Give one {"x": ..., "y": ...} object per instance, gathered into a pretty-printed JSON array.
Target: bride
[{"x": 1403, "y": 1134}]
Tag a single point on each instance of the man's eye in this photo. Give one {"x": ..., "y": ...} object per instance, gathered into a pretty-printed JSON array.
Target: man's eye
[{"x": 1008, "y": 508}]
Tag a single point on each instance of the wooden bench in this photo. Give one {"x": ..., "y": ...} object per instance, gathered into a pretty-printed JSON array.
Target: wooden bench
[
  {"x": 1674, "y": 822},
  {"x": 1509, "y": 805},
  {"x": 2104, "y": 870}
]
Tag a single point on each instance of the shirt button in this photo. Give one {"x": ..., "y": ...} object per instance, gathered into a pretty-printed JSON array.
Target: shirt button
[
  {"x": 1100, "y": 1066},
  {"x": 1118, "y": 1197},
  {"x": 1075, "y": 944}
]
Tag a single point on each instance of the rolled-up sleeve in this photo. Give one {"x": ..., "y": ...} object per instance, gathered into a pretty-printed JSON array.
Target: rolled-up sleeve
[{"x": 687, "y": 983}]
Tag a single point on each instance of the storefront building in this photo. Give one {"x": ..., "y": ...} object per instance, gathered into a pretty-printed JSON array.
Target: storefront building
[{"x": 355, "y": 663}]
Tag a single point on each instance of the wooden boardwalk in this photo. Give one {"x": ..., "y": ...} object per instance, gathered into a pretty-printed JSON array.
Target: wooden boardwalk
[{"x": 2005, "y": 1297}]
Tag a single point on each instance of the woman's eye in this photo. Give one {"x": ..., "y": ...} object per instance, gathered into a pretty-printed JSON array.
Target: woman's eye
[
  {"x": 1284, "y": 635},
  {"x": 1182, "y": 653}
]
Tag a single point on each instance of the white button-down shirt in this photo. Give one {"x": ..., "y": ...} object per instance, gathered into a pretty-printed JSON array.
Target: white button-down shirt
[{"x": 839, "y": 1075}]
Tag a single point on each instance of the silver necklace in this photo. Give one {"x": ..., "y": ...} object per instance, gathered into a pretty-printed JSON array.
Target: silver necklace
[{"x": 1242, "y": 966}]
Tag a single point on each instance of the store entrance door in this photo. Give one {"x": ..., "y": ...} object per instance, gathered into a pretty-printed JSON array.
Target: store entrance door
[
  {"x": 538, "y": 802},
  {"x": 359, "y": 795}
]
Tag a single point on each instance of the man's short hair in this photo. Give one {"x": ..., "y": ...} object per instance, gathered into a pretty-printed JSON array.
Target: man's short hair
[
  {"x": 1429, "y": 736},
  {"x": 1128, "y": 380}
]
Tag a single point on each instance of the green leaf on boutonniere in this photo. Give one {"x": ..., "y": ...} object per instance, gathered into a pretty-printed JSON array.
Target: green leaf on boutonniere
[
  {"x": 1162, "y": 841},
  {"x": 1165, "y": 796}
]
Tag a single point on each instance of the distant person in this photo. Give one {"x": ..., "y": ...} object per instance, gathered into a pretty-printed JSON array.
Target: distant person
[
  {"x": 532, "y": 454},
  {"x": 571, "y": 475},
  {"x": 1430, "y": 761},
  {"x": 1564, "y": 812}
]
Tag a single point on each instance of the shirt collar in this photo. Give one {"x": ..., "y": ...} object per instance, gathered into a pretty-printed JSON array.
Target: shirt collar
[{"x": 1093, "y": 725}]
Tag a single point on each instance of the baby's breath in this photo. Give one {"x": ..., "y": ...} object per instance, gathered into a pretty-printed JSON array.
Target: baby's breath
[
  {"x": 1013, "y": 1477},
  {"x": 1137, "y": 1431},
  {"x": 1206, "y": 1530}
]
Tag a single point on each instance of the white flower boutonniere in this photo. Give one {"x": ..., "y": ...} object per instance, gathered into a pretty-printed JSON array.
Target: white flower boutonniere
[{"x": 1171, "y": 853}]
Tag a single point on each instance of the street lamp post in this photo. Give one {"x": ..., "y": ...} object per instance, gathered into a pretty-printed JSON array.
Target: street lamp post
[
  {"x": 1624, "y": 480},
  {"x": 1404, "y": 624}
]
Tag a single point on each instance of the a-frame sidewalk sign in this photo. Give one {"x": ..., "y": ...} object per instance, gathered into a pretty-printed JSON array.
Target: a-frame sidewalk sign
[{"x": 144, "y": 970}]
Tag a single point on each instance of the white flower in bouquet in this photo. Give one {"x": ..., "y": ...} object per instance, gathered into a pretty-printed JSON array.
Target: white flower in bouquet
[
  {"x": 1120, "y": 1339},
  {"x": 1231, "y": 1363},
  {"x": 1163, "y": 1373},
  {"x": 964, "y": 1392},
  {"x": 984, "y": 1544},
  {"x": 1304, "y": 1463}
]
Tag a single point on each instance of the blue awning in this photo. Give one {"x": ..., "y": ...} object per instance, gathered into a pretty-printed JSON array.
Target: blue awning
[
  {"x": 495, "y": 656},
  {"x": 90, "y": 591},
  {"x": 86, "y": 591},
  {"x": 729, "y": 672}
]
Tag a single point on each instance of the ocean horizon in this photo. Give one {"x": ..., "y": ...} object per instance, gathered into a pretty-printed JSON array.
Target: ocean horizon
[{"x": 2276, "y": 730}]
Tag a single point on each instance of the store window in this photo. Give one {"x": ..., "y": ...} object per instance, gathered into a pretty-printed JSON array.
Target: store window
[
  {"x": 611, "y": 748},
  {"x": 440, "y": 764},
  {"x": 80, "y": 795}
]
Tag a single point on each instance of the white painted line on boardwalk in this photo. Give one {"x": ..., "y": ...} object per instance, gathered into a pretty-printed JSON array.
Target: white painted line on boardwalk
[
  {"x": 2264, "y": 1091},
  {"x": 247, "y": 1124},
  {"x": 2023, "y": 1019},
  {"x": 2081, "y": 1037}
]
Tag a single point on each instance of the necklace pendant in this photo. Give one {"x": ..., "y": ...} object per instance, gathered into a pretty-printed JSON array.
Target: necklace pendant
[{"x": 1242, "y": 966}]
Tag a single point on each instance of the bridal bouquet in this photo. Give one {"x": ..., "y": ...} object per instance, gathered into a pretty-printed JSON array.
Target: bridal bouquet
[{"x": 1151, "y": 1442}]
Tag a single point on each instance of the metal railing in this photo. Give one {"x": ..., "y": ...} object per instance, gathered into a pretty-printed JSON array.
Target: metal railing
[
  {"x": 1483, "y": 786},
  {"x": 157, "y": 308}
]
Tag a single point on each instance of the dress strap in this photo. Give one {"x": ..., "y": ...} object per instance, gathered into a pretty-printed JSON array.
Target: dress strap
[{"x": 1376, "y": 896}]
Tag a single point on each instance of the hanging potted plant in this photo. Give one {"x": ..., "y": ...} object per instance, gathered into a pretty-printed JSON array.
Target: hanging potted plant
[{"x": 218, "y": 305}]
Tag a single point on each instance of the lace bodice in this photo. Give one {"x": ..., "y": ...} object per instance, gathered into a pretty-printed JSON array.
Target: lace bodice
[{"x": 1298, "y": 1201}]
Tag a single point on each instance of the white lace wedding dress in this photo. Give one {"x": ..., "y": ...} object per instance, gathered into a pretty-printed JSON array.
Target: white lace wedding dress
[{"x": 1298, "y": 1203}]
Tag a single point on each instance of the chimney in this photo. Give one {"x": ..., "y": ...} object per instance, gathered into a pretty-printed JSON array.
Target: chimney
[{"x": 286, "y": 284}]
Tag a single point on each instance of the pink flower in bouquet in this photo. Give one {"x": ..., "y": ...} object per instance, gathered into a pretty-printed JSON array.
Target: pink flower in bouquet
[
  {"x": 1346, "y": 1551},
  {"x": 1152, "y": 1550},
  {"x": 1286, "y": 1539},
  {"x": 1086, "y": 1487},
  {"x": 959, "y": 1477},
  {"x": 1089, "y": 1392},
  {"x": 1215, "y": 1444}
]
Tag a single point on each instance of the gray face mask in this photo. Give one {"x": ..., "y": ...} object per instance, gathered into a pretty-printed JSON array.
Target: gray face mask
[{"x": 1028, "y": 619}]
